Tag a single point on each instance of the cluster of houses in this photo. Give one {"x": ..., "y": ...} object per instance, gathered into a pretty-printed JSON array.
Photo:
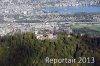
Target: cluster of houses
[{"x": 44, "y": 30}]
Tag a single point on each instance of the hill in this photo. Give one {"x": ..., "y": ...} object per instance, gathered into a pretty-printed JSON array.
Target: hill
[{"x": 25, "y": 50}]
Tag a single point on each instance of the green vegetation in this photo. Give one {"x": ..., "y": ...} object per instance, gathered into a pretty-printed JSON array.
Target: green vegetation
[
  {"x": 92, "y": 27},
  {"x": 25, "y": 50},
  {"x": 93, "y": 30}
]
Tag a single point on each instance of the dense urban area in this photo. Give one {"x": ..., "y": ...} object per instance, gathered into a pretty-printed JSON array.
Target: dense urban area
[{"x": 25, "y": 16}]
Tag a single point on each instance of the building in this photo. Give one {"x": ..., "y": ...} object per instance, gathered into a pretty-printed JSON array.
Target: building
[{"x": 44, "y": 31}]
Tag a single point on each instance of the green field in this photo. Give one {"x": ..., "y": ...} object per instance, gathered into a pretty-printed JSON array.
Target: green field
[
  {"x": 92, "y": 30},
  {"x": 92, "y": 27}
]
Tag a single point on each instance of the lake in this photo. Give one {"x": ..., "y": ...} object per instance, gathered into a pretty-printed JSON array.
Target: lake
[{"x": 73, "y": 9}]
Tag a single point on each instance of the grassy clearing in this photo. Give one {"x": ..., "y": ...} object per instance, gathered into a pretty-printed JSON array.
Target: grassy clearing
[{"x": 92, "y": 27}]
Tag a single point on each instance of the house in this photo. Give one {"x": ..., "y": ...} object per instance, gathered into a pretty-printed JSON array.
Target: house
[{"x": 44, "y": 31}]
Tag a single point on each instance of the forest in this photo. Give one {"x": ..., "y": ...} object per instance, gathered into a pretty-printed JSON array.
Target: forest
[{"x": 23, "y": 49}]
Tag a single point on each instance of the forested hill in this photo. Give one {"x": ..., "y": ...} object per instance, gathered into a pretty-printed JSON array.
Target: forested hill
[{"x": 25, "y": 50}]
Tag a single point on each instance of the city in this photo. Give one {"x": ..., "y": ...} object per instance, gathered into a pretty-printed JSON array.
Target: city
[{"x": 49, "y": 32}]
